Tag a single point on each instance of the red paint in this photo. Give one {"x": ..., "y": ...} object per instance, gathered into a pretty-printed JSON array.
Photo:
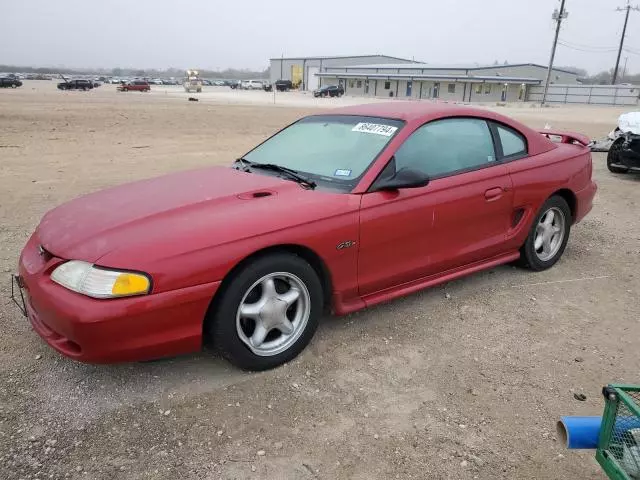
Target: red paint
[
  {"x": 188, "y": 230},
  {"x": 134, "y": 87}
]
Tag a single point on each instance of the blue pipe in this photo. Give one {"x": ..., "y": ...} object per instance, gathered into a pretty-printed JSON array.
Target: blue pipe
[
  {"x": 579, "y": 432},
  {"x": 583, "y": 432}
]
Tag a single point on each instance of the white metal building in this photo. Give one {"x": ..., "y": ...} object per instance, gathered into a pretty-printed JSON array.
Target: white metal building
[
  {"x": 474, "y": 83},
  {"x": 304, "y": 70}
]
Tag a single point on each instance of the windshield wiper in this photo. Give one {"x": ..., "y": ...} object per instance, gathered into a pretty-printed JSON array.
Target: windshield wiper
[
  {"x": 244, "y": 164},
  {"x": 289, "y": 172}
]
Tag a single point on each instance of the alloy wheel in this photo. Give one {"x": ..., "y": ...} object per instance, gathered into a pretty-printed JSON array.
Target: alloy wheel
[
  {"x": 549, "y": 234},
  {"x": 273, "y": 313}
]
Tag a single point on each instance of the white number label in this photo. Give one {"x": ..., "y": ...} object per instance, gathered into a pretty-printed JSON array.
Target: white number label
[{"x": 378, "y": 129}]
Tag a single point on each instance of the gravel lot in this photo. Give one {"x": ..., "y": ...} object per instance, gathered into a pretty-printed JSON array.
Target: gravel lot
[{"x": 462, "y": 381}]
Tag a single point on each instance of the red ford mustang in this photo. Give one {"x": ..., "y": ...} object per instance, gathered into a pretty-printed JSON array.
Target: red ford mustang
[{"x": 340, "y": 211}]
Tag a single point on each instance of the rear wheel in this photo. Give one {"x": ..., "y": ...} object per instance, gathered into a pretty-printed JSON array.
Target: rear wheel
[
  {"x": 268, "y": 312},
  {"x": 613, "y": 158},
  {"x": 548, "y": 236}
]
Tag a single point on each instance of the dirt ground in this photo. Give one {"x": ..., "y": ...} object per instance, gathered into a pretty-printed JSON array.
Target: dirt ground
[{"x": 462, "y": 381}]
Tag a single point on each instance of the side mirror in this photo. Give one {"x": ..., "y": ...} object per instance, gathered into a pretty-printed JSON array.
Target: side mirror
[{"x": 403, "y": 178}]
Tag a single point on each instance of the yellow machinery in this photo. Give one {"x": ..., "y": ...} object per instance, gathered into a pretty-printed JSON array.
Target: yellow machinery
[{"x": 296, "y": 75}]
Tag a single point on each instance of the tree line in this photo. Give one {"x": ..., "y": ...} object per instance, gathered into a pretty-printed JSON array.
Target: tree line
[
  {"x": 229, "y": 73},
  {"x": 603, "y": 78}
]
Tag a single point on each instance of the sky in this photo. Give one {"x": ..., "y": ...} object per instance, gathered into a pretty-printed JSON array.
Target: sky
[{"x": 215, "y": 34}]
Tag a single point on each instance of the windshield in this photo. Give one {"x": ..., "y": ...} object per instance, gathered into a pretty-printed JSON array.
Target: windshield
[{"x": 334, "y": 150}]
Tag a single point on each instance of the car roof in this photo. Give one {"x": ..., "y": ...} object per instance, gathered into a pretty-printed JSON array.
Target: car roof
[
  {"x": 408, "y": 110},
  {"x": 420, "y": 112}
]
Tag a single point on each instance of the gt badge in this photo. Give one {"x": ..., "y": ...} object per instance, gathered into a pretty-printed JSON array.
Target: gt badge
[{"x": 347, "y": 244}]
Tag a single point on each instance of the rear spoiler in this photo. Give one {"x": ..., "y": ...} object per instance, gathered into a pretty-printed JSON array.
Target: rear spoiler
[{"x": 566, "y": 137}]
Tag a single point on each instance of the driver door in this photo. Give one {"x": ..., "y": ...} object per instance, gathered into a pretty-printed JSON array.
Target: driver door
[{"x": 462, "y": 216}]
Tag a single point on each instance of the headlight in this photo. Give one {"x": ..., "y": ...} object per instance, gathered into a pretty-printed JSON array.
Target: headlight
[{"x": 97, "y": 282}]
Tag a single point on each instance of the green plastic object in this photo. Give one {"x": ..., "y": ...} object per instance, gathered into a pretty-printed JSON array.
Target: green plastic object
[{"x": 618, "y": 450}]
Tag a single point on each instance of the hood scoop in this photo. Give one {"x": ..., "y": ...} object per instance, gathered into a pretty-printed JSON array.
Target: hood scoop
[{"x": 256, "y": 194}]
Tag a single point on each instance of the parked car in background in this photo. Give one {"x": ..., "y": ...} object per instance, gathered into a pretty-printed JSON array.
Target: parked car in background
[
  {"x": 366, "y": 204},
  {"x": 234, "y": 84},
  {"x": 79, "y": 84},
  {"x": 6, "y": 82},
  {"x": 284, "y": 85},
  {"x": 156, "y": 81},
  {"x": 329, "y": 91},
  {"x": 267, "y": 87},
  {"x": 624, "y": 152},
  {"x": 251, "y": 85},
  {"x": 135, "y": 86}
]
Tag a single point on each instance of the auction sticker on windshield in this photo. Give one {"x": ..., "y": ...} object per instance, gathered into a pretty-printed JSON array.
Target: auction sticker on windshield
[{"x": 377, "y": 128}]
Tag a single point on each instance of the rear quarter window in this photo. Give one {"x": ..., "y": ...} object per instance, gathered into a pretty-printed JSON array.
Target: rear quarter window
[{"x": 513, "y": 143}]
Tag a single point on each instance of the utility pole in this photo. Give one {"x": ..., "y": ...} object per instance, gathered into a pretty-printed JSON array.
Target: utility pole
[
  {"x": 558, "y": 16},
  {"x": 624, "y": 69},
  {"x": 628, "y": 9}
]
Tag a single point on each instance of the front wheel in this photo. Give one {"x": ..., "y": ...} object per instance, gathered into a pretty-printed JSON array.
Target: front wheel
[
  {"x": 613, "y": 158},
  {"x": 268, "y": 312},
  {"x": 548, "y": 236}
]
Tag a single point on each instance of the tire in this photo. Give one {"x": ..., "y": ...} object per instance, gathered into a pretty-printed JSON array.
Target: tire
[
  {"x": 233, "y": 334},
  {"x": 612, "y": 157},
  {"x": 532, "y": 257}
]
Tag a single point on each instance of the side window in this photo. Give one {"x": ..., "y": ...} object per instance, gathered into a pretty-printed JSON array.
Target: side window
[
  {"x": 512, "y": 142},
  {"x": 445, "y": 146}
]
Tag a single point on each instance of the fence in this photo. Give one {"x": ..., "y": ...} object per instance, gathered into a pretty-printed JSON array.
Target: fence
[{"x": 588, "y": 94}]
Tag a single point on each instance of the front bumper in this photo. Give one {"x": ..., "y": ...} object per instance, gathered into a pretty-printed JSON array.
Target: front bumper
[
  {"x": 630, "y": 157},
  {"x": 115, "y": 330}
]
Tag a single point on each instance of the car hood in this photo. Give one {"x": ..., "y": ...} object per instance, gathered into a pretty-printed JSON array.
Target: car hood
[{"x": 182, "y": 211}]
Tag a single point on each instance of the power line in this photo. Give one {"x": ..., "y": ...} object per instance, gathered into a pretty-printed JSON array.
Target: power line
[
  {"x": 632, "y": 50},
  {"x": 628, "y": 9},
  {"x": 570, "y": 43},
  {"x": 558, "y": 16},
  {"x": 586, "y": 49}
]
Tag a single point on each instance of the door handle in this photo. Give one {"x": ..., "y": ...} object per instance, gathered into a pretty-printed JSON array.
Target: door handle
[{"x": 493, "y": 194}]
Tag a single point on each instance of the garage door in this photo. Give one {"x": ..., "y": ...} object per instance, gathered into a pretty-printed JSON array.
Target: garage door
[{"x": 312, "y": 80}]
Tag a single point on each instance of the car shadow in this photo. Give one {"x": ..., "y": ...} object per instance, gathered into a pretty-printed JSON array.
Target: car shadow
[
  {"x": 80, "y": 392},
  {"x": 631, "y": 177}
]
